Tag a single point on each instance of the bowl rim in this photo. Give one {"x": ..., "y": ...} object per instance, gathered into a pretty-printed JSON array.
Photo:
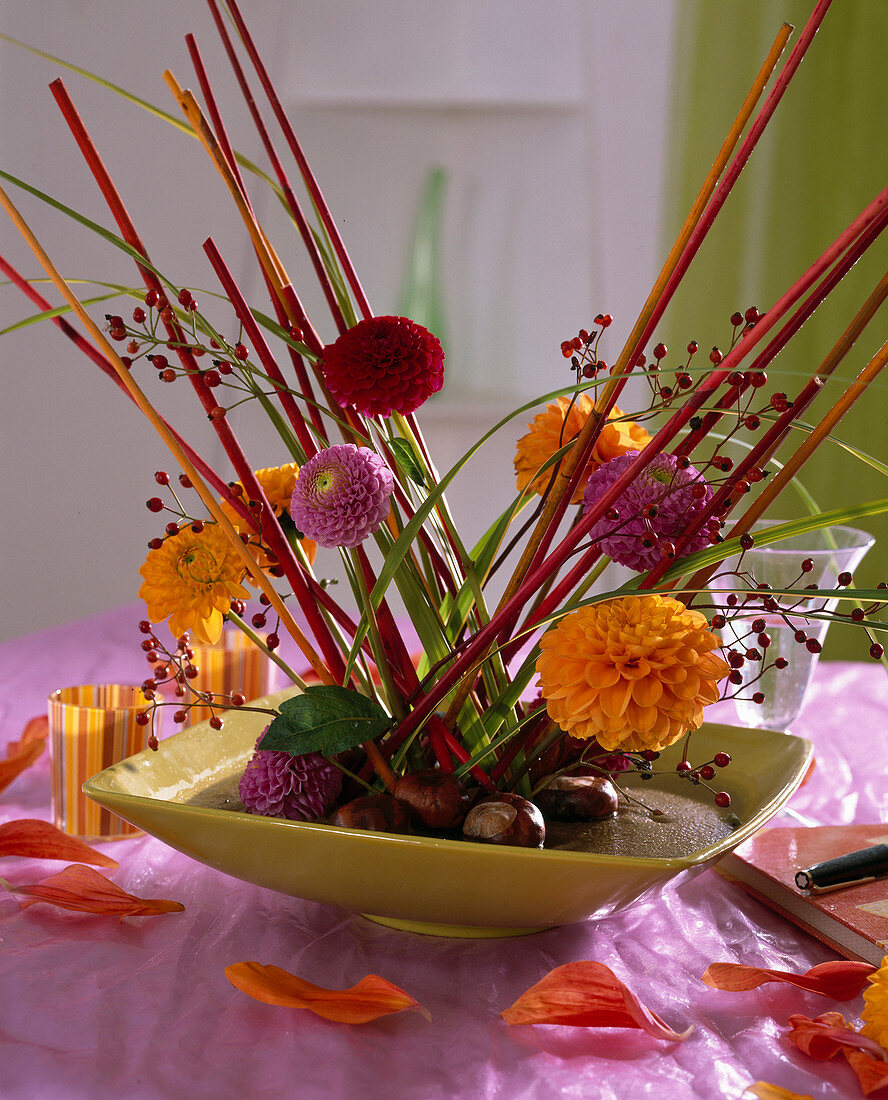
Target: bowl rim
[{"x": 99, "y": 788}]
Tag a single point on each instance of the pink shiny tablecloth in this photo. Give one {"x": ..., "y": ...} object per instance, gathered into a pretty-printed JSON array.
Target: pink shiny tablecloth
[{"x": 94, "y": 1008}]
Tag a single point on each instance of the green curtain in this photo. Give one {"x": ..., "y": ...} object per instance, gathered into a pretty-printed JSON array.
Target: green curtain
[{"x": 822, "y": 158}]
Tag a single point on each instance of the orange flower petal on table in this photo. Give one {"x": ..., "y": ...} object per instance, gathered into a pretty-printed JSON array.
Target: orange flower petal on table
[
  {"x": 371, "y": 998},
  {"x": 764, "y": 1090},
  {"x": 85, "y": 890},
  {"x": 823, "y": 1037},
  {"x": 21, "y": 754},
  {"x": 872, "y": 1073},
  {"x": 842, "y": 979},
  {"x": 35, "y": 839},
  {"x": 586, "y": 994}
]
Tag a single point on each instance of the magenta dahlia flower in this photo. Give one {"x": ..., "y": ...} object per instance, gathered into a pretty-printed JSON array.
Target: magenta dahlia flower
[
  {"x": 301, "y": 788},
  {"x": 384, "y": 365},
  {"x": 341, "y": 495},
  {"x": 653, "y": 513}
]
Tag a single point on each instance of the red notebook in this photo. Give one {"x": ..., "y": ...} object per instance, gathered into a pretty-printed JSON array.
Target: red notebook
[{"x": 853, "y": 921}]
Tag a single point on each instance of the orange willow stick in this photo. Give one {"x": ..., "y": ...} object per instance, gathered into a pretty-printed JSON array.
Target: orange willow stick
[
  {"x": 308, "y": 176},
  {"x": 274, "y": 535},
  {"x": 169, "y": 439},
  {"x": 821, "y": 431},
  {"x": 222, "y": 137},
  {"x": 569, "y": 469},
  {"x": 723, "y": 500},
  {"x": 557, "y": 499},
  {"x": 295, "y": 209},
  {"x": 271, "y": 265}
]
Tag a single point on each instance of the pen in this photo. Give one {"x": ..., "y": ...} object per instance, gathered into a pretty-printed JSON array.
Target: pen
[{"x": 852, "y": 869}]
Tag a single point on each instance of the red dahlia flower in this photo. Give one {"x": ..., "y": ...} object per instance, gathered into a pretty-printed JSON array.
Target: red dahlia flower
[{"x": 384, "y": 365}]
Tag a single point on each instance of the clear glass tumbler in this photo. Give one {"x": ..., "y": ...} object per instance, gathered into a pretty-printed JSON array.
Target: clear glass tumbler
[{"x": 833, "y": 550}]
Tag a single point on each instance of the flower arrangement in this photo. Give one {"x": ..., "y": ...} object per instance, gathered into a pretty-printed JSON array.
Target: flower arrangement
[{"x": 376, "y": 733}]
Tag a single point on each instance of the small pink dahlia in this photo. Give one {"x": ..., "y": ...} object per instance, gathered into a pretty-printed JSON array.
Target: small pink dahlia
[
  {"x": 341, "y": 495},
  {"x": 301, "y": 788},
  {"x": 652, "y": 513},
  {"x": 384, "y": 365}
]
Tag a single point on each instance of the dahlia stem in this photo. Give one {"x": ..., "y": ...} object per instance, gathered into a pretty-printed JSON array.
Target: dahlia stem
[
  {"x": 257, "y": 641},
  {"x": 160, "y": 427},
  {"x": 396, "y": 704},
  {"x": 311, "y": 184}
]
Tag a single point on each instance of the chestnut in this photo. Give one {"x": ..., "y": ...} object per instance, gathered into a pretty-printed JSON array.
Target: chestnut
[
  {"x": 378, "y": 812},
  {"x": 578, "y": 798},
  {"x": 435, "y": 798},
  {"x": 505, "y": 819}
]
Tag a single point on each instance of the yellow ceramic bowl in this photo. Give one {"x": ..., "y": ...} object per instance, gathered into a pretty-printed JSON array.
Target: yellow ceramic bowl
[{"x": 423, "y": 884}]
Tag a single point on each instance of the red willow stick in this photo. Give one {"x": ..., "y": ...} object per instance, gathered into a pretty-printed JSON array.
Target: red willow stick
[
  {"x": 292, "y": 202},
  {"x": 854, "y": 392},
  {"x": 642, "y": 333},
  {"x": 574, "y": 464},
  {"x": 228, "y": 152},
  {"x": 249, "y": 563},
  {"x": 323, "y": 212},
  {"x": 726, "y": 185},
  {"x": 260, "y": 346},
  {"x": 691, "y": 441},
  {"x": 506, "y": 614},
  {"x": 206, "y": 471},
  {"x": 211, "y": 142},
  {"x": 274, "y": 536},
  {"x": 723, "y": 499},
  {"x": 861, "y": 224},
  {"x": 311, "y": 183}
]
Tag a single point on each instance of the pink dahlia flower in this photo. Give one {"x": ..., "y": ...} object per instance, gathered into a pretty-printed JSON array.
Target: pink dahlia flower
[
  {"x": 384, "y": 365},
  {"x": 652, "y": 513},
  {"x": 301, "y": 788},
  {"x": 341, "y": 495}
]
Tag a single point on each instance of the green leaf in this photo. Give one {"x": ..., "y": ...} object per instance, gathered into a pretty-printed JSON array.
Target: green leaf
[
  {"x": 406, "y": 459},
  {"x": 325, "y": 718}
]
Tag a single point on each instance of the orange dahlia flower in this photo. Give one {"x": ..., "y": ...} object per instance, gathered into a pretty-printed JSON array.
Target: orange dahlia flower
[
  {"x": 192, "y": 579},
  {"x": 875, "y": 1012},
  {"x": 634, "y": 672},
  {"x": 277, "y": 483},
  {"x": 549, "y": 431}
]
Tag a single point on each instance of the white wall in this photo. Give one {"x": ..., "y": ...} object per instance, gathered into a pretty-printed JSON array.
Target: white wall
[{"x": 547, "y": 116}]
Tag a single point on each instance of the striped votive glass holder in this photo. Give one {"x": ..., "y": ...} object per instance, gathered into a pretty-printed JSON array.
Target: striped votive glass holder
[
  {"x": 233, "y": 664},
  {"x": 91, "y": 727}
]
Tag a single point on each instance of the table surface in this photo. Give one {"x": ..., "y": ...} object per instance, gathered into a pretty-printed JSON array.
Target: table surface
[{"x": 96, "y": 1008}]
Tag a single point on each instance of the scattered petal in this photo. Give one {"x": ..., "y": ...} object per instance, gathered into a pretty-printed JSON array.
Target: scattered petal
[
  {"x": 35, "y": 839},
  {"x": 586, "y": 994},
  {"x": 823, "y": 1037},
  {"x": 842, "y": 979},
  {"x": 21, "y": 754},
  {"x": 371, "y": 998},
  {"x": 872, "y": 1073},
  {"x": 766, "y": 1091},
  {"x": 85, "y": 890}
]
